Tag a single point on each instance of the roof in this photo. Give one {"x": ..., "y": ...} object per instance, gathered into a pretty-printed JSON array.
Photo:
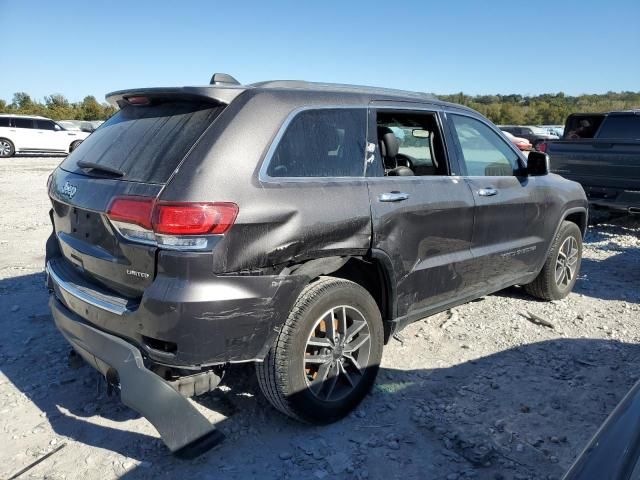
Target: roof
[
  {"x": 633, "y": 111},
  {"x": 225, "y": 93},
  {"x": 339, "y": 88},
  {"x": 23, "y": 116}
]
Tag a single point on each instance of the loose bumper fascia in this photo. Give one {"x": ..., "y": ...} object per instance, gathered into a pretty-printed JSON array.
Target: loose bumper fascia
[
  {"x": 184, "y": 430},
  {"x": 221, "y": 319}
]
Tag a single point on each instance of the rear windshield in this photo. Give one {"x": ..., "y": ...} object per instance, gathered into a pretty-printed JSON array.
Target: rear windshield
[
  {"x": 145, "y": 143},
  {"x": 621, "y": 126},
  {"x": 582, "y": 126}
]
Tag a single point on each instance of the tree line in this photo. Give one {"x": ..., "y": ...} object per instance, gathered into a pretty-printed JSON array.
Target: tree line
[
  {"x": 57, "y": 107},
  {"x": 546, "y": 109}
]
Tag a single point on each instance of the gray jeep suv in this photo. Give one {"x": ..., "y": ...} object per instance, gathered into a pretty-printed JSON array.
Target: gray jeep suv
[{"x": 294, "y": 225}]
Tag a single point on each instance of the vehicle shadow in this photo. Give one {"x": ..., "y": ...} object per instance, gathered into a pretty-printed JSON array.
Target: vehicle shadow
[{"x": 527, "y": 410}]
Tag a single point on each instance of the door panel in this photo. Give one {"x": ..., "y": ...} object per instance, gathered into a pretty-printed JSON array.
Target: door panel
[
  {"x": 423, "y": 223},
  {"x": 23, "y": 132},
  {"x": 427, "y": 236},
  {"x": 508, "y": 232},
  {"x": 45, "y": 139},
  {"x": 48, "y": 138},
  {"x": 508, "y": 228}
]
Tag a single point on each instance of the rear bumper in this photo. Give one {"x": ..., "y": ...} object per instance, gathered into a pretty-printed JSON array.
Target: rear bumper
[
  {"x": 182, "y": 428},
  {"x": 203, "y": 321},
  {"x": 614, "y": 198}
]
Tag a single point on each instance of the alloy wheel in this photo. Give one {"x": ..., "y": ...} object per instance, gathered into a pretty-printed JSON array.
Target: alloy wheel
[
  {"x": 567, "y": 262},
  {"x": 336, "y": 353},
  {"x": 5, "y": 148}
]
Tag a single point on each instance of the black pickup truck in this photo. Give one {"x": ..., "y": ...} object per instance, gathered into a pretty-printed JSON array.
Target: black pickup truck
[{"x": 602, "y": 152}]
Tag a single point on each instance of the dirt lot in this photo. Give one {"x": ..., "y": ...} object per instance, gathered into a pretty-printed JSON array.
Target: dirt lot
[{"x": 478, "y": 392}]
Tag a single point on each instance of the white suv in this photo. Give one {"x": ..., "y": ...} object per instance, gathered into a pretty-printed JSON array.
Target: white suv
[{"x": 27, "y": 134}]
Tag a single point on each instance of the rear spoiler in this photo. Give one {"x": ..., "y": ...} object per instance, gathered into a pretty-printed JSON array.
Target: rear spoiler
[{"x": 213, "y": 93}]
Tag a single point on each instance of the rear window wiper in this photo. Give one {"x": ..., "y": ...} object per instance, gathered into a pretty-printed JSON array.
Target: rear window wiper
[{"x": 100, "y": 168}]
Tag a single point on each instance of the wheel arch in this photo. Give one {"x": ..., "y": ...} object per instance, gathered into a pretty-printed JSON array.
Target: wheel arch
[
  {"x": 577, "y": 215},
  {"x": 374, "y": 272}
]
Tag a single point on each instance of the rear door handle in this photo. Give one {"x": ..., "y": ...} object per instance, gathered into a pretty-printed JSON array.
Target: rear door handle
[
  {"x": 393, "y": 197},
  {"x": 487, "y": 192}
]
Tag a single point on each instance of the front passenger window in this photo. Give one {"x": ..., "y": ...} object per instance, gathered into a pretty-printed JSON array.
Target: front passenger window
[
  {"x": 45, "y": 125},
  {"x": 484, "y": 152}
]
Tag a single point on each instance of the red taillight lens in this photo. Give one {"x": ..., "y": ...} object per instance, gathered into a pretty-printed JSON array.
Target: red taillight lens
[
  {"x": 542, "y": 147},
  {"x": 183, "y": 218},
  {"x": 136, "y": 210},
  {"x": 193, "y": 218}
]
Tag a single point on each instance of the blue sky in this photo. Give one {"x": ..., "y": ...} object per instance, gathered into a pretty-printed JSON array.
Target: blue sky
[{"x": 92, "y": 47}]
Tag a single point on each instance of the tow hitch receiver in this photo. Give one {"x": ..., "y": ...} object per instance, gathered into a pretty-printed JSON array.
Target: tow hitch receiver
[{"x": 185, "y": 431}]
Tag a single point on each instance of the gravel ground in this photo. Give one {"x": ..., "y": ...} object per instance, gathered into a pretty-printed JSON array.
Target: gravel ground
[{"x": 477, "y": 392}]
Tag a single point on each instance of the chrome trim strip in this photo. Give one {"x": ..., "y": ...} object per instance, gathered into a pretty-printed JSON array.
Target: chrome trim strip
[{"x": 80, "y": 295}]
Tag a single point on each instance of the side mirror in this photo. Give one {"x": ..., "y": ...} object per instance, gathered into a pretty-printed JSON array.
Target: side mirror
[{"x": 537, "y": 164}]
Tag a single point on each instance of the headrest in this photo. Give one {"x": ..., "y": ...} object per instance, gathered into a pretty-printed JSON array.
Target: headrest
[
  {"x": 389, "y": 144},
  {"x": 400, "y": 172}
]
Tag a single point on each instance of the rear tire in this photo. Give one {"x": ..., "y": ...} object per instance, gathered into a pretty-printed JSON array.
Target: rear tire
[
  {"x": 560, "y": 271},
  {"x": 309, "y": 376},
  {"x": 7, "y": 149}
]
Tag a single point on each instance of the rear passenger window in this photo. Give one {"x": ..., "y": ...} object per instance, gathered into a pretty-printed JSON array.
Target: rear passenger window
[
  {"x": 582, "y": 126},
  {"x": 4, "y": 121},
  {"x": 621, "y": 126},
  {"x": 322, "y": 143},
  {"x": 23, "y": 123},
  {"x": 484, "y": 153}
]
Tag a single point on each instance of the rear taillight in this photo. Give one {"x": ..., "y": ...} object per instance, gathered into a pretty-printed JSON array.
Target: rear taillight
[
  {"x": 542, "y": 147},
  {"x": 135, "y": 210},
  {"x": 193, "y": 218},
  {"x": 173, "y": 225}
]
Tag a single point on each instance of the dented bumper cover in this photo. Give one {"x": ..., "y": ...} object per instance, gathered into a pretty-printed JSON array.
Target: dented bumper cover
[
  {"x": 208, "y": 320},
  {"x": 183, "y": 429}
]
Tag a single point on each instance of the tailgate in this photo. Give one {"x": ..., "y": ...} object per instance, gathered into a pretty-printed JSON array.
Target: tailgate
[
  {"x": 598, "y": 163},
  {"x": 87, "y": 239},
  {"x": 134, "y": 154}
]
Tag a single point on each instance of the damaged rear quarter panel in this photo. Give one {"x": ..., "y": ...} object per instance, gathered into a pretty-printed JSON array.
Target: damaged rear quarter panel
[{"x": 279, "y": 222}]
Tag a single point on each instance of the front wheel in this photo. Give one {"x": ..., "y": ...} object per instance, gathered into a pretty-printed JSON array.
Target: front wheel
[
  {"x": 560, "y": 271},
  {"x": 6, "y": 148},
  {"x": 327, "y": 355}
]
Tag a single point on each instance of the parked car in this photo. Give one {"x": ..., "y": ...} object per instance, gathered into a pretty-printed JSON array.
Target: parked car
[
  {"x": 285, "y": 223},
  {"x": 556, "y": 130},
  {"x": 27, "y": 134},
  {"x": 535, "y": 135},
  {"x": 69, "y": 124},
  {"x": 602, "y": 153},
  {"x": 84, "y": 125},
  {"x": 522, "y": 143}
]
